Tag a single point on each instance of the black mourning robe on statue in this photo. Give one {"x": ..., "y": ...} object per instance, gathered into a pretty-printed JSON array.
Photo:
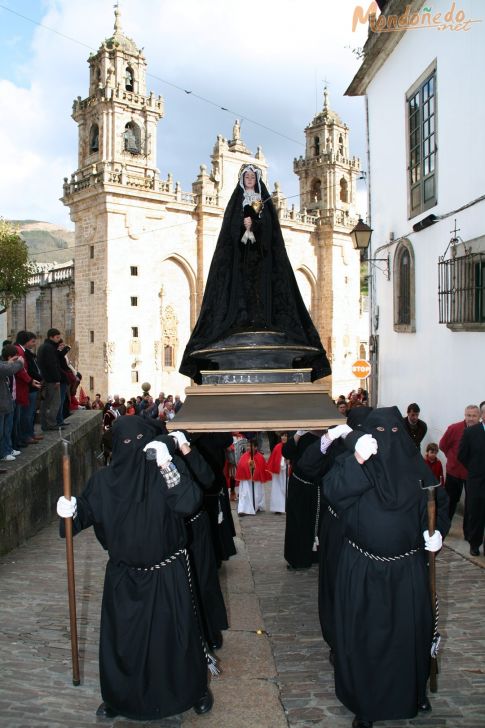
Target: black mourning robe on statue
[
  {"x": 151, "y": 658},
  {"x": 252, "y": 287},
  {"x": 383, "y": 615}
]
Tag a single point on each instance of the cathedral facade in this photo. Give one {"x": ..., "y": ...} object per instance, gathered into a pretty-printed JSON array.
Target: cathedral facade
[{"x": 143, "y": 246}]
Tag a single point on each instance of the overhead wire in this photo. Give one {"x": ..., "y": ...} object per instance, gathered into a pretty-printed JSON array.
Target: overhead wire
[
  {"x": 182, "y": 89},
  {"x": 173, "y": 85}
]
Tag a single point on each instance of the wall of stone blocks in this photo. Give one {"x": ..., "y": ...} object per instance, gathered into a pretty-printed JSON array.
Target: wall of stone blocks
[{"x": 29, "y": 493}]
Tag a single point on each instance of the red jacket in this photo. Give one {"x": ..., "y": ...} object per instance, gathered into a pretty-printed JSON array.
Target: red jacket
[
  {"x": 22, "y": 380},
  {"x": 261, "y": 474},
  {"x": 274, "y": 460},
  {"x": 449, "y": 444},
  {"x": 436, "y": 468}
]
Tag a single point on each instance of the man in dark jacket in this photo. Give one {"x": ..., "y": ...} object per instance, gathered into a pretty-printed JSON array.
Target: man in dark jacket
[
  {"x": 49, "y": 365},
  {"x": 472, "y": 454},
  {"x": 415, "y": 427}
]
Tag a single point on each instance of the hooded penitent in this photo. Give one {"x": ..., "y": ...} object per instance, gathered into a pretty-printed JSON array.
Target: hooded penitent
[
  {"x": 382, "y": 622},
  {"x": 151, "y": 658}
]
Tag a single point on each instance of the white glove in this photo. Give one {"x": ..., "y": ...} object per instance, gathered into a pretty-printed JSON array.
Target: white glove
[
  {"x": 163, "y": 455},
  {"x": 339, "y": 431},
  {"x": 434, "y": 542},
  {"x": 366, "y": 446},
  {"x": 299, "y": 433},
  {"x": 180, "y": 438},
  {"x": 67, "y": 508}
]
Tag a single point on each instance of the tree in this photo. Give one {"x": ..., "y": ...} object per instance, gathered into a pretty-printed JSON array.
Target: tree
[{"x": 15, "y": 268}]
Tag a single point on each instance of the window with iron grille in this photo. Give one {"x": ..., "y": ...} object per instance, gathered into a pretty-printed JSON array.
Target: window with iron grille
[
  {"x": 421, "y": 112},
  {"x": 461, "y": 292}
]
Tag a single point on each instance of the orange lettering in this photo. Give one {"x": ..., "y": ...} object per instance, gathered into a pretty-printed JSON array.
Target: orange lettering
[
  {"x": 449, "y": 14},
  {"x": 359, "y": 16}
]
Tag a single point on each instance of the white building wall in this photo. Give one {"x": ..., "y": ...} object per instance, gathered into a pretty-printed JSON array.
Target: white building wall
[{"x": 440, "y": 369}]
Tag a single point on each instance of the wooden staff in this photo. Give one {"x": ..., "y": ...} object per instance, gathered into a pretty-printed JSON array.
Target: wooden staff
[
  {"x": 251, "y": 470},
  {"x": 433, "y": 682},
  {"x": 71, "y": 586}
]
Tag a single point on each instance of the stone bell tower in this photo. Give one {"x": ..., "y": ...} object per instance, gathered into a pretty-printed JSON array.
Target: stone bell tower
[
  {"x": 327, "y": 172},
  {"x": 328, "y": 175},
  {"x": 110, "y": 196}
]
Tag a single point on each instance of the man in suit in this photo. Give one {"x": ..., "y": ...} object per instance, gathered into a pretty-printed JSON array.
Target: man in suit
[{"x": 472, "y": 454}]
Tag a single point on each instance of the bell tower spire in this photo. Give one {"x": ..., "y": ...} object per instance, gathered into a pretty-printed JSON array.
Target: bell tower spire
[
  {"x": 114, "y": 189},
  {"x": 117, "y": 122},
  {"x": 327, "y": 172}
]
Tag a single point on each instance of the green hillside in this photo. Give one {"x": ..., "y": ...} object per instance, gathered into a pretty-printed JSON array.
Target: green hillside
[{"x": 47, "y": 243}]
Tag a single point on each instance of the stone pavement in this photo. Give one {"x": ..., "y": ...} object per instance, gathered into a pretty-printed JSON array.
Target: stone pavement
[{"x": 275, "y": 668}]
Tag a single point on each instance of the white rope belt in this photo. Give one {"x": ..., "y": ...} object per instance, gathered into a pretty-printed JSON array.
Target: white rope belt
[
  {"x": 194, "y": 518},
  {"x": 307, "y": 482},
  {"x": 375, "y": 557},
  {"x": 332, "y": 512},
  {"x": 165, "y": 562}
]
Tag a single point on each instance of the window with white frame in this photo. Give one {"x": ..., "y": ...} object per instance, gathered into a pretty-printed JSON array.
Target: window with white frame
[{"x": 422, "y": 147}]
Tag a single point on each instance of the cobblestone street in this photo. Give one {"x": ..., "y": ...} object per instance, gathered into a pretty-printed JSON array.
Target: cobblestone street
[{"x": 280, "y": 677}]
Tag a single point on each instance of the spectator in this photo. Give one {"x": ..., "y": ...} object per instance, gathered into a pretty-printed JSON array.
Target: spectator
[
  {"x": 166, "y": 413},
  {"x": 50, "y": 368},
  {"x": 456, "y": 473},
  {"x": 11, "y": 364},
  {"x": 131, "y": 407},
  {"x": 415, "y": 427},
  {"x": 471, "y": 453},
  {"x": 97, "y": 403},
  {"x": 66, "y": 379},
  {"x": 177, "y": 403},
  {"x": 122, "y": 406},
  {"x": 363, "y": 395},
  {"x": 342, "y": 408},
  {"x": 27, "y": 385},
  {"x": 433, "y": 462}
]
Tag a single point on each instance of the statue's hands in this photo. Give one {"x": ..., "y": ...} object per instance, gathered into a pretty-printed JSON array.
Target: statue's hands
[{"x": 247, "y": 223}]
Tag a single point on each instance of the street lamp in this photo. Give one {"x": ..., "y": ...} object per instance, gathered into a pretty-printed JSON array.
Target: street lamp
[{"x": 361, "y": 235}]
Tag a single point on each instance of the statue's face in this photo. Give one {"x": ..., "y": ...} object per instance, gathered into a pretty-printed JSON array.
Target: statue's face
[{"x": 249, "y": 180}]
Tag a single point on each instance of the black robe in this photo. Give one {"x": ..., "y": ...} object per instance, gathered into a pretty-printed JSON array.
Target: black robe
[
  {"x": 331, "y": 536},
  {"x": 212, "y": 608},
  {"x": 251, "y": 287},
  {"x": 212, "y": 446},
  {"x": 303, "y": 505},
  {"x": 151, "y": 657},
  {"x": 383, "y": 615}
]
